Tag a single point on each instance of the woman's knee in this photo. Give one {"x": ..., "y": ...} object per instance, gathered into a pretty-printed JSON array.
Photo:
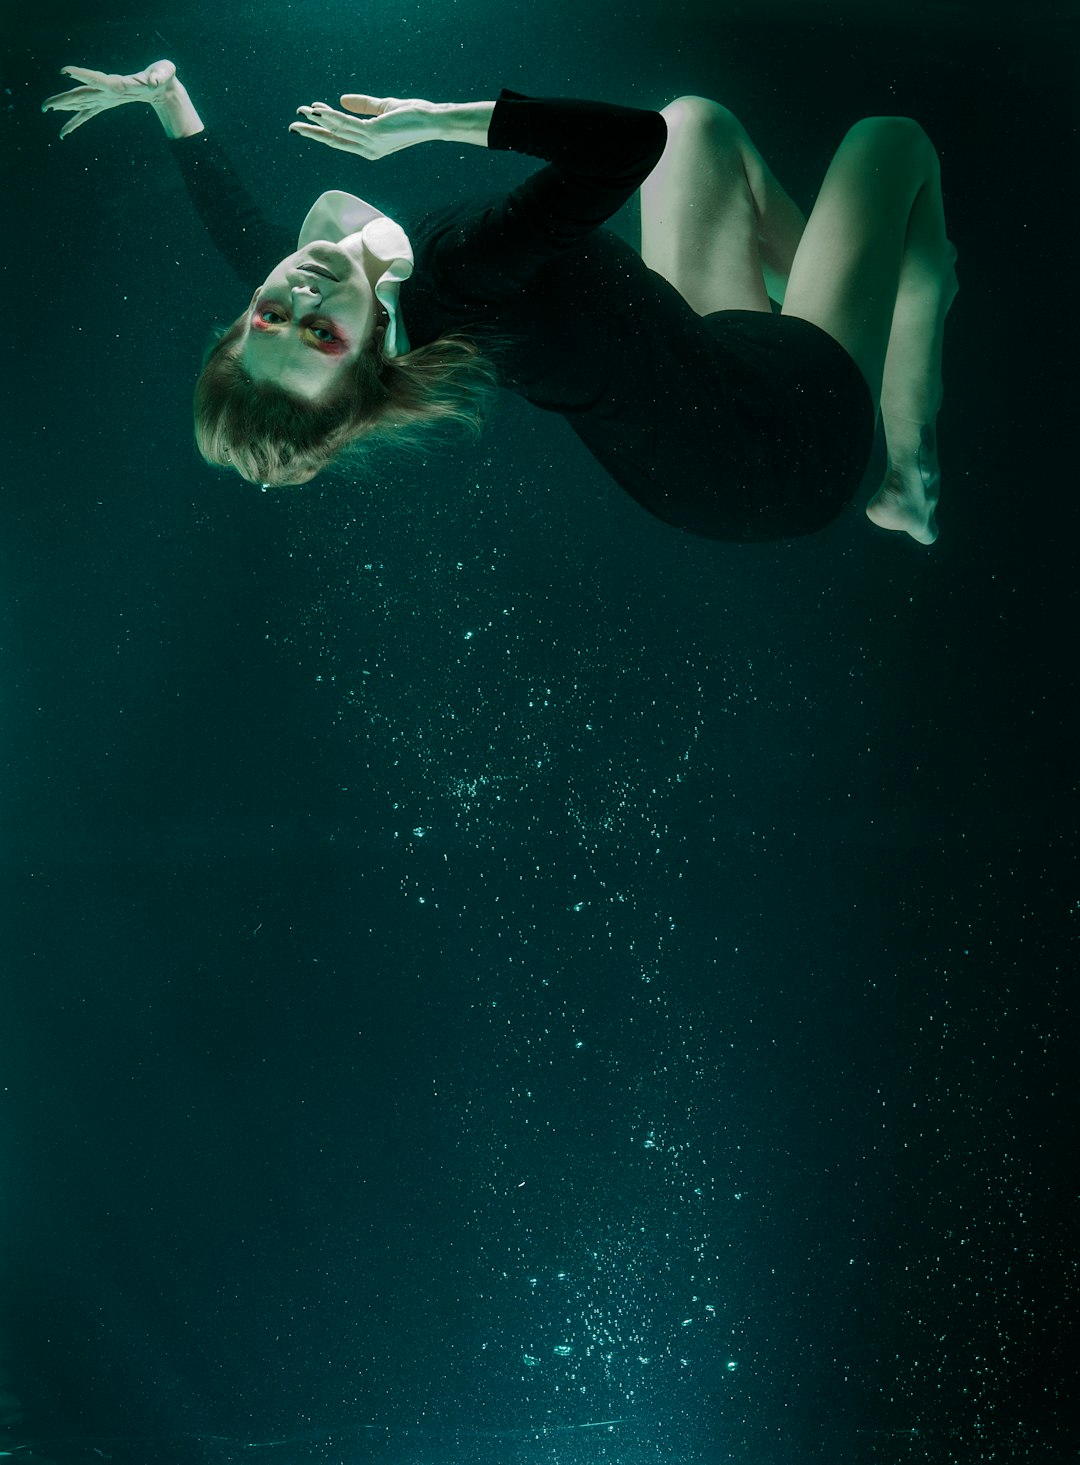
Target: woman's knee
[
  {"x": 701, "y": 114},
  {"x": 894, "y": 136}
]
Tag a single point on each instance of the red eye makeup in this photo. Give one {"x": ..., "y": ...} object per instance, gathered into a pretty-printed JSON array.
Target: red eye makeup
[{"x": 336, "y": 347}]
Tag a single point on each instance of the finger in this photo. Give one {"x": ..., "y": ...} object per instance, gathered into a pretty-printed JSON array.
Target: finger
[
  {"x": 81, "y": 73},
  {"x": 321, "y": 110},
  {"x": 69, "y": 127},
  {"x": 319, "y": 134},
  {"x": 71, "y": 101},
  {"x": 335, "y": 122},
  {"x": 357, "y": 102},
  {"x": 66, "y": 101}
]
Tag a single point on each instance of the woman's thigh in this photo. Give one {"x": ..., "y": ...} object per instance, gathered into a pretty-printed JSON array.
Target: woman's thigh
[
  {"x": 846, "y": 270},
  {"x": 699, "y": 224}
]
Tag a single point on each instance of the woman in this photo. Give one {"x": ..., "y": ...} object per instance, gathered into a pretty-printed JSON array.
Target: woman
[{"x": 719, "y": 415}]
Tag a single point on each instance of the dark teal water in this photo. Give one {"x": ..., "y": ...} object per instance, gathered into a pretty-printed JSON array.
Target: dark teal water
[{"x": 489, "y": 979}]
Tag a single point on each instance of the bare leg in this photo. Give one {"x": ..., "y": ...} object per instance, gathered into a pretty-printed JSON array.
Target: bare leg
[
  {"x": 714, "y": 221},
  {"x": 911, "y": 388},
  {"x": 875, "y": 269},
  {"x": 781, "y": 223}
]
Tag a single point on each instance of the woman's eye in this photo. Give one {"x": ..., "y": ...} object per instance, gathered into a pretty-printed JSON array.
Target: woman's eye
[{"x": 272, "y": 317}]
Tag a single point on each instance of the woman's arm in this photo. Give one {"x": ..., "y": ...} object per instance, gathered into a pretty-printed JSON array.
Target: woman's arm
[
  {"x": 175, "y": 110},
  {"x": 233, "y": 219},
  {"x": 466, "y": 122},
  {"x": 597, "y": 153},
  {"x": 100, "y": 91}
]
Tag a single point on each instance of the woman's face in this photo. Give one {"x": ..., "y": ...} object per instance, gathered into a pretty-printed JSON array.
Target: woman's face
[{"x": 312, "y": 316}]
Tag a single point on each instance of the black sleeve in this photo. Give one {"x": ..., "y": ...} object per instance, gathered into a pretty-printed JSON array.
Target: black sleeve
[
  {"x": 245, "y": 238},
  {"x": 598, "y": 156}
]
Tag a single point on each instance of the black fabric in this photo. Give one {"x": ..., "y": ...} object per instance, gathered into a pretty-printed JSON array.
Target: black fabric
[
  {"x": 739, "y": 425},
  {"x": 244, "y": 237}
]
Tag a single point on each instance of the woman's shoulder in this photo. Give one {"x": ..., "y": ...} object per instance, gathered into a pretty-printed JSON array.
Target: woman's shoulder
[{"x": 427, "y": 227}]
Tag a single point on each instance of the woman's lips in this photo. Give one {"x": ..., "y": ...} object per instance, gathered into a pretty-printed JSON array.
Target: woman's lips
[{"x": 314, "y": 269}]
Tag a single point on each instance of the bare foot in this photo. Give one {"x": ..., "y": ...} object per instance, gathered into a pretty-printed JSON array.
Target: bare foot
[{"x": 907, "y": 499}]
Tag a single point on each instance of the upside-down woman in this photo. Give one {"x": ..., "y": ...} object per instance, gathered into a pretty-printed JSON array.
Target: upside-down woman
[{"x": 719, "y": 413}]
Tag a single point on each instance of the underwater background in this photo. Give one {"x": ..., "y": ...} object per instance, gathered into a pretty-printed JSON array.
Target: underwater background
[{"x": 486, "y": 977}]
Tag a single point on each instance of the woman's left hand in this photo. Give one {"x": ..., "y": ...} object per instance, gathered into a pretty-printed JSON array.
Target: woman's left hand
[
  {"x": 101, "y": 90},
  {"x": 388, "y": 124}
]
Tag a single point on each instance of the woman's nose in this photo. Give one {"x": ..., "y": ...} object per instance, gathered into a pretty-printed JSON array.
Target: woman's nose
[{"x": 304, "y": 286}]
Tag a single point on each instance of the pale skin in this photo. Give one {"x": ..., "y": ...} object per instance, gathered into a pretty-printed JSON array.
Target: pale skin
[{"x": 872, "y": 265}]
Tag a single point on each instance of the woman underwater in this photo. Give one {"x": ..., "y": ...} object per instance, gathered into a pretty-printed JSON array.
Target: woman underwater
[{"x": 718, "y": 414}]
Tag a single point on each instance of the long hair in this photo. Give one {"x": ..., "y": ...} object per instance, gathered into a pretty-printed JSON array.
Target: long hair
[{"x": 273, "y": 438}]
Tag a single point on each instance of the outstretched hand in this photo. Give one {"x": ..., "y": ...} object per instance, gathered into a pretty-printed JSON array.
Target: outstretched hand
[
  {"x": 389, "y": 124},
  {"x": 101, "y": 90}
]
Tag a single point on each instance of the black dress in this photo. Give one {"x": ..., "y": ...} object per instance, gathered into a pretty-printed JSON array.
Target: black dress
[{"x": 738, "y": 425}]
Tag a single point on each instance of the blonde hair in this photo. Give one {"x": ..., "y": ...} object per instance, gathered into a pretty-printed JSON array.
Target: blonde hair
[{"x": 273, "y": 438}]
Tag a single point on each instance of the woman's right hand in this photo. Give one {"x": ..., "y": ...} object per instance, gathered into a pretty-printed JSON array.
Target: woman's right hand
[
  {"x": 101, "y": 90},
  {"x": 387, "y": 124}
]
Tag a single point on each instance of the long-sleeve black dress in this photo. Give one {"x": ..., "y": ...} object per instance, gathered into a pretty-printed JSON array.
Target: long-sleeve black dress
[{"x": 738, "y": 425}]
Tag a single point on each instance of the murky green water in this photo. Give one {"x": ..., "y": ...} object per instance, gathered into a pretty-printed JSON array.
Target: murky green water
[{"x": 490, "y": 978}]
